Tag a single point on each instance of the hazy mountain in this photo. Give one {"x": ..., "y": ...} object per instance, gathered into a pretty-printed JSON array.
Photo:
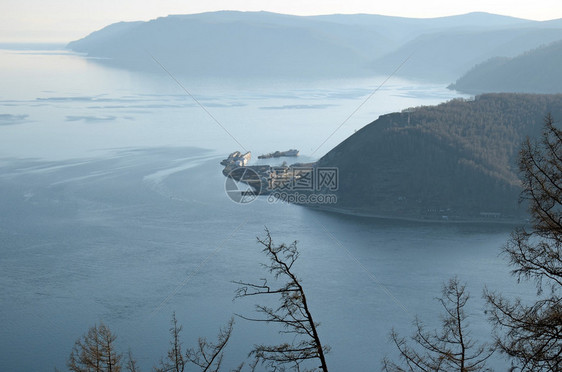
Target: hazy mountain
[
  {"x": 236, "y": 43},
  {"x": 268, "y": 44},
  {"x": 443, "y": 56},
  {"x": 536, "y": 71},
  {"x": 457, "y": 159},
  {"x": 401, "y": 29}
]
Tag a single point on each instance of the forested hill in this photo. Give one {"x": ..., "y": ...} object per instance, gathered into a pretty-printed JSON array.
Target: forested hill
[
  {"x": 454, "y": 161},
  {"x": 536, "y": 71}
]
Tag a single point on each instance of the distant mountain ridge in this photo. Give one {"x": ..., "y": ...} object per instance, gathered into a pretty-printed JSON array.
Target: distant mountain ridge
[
  {"x": 535, "y": 71},
  {"x": 444, "y": 56},
  {"x": 233, "y": 44},
  {"x": 230, "y": 43},
  {"x": 454, "y": 161}
]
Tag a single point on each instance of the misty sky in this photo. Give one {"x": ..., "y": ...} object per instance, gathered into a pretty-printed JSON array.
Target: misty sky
[{"x": 66, "y": 20}]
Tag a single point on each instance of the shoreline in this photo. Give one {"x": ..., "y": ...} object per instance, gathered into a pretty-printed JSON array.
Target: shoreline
[{"x": 365, "y": 214}]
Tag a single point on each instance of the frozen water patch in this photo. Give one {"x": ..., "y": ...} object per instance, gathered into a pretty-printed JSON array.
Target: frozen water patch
[
  {"x": 297, "y": 107},
  {"x": 89, "y": 118},
  {"x": 9, "y": 119},
  {"x": 155, "y": 181},
  {"x": 82, "y": 178},
  {"x": 47, "y": 168}
]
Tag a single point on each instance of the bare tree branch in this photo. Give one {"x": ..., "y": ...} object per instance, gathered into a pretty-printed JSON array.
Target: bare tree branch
[
  {"x": 531, "y": 334},
  {"x": 450, "y": 349},
  {"x": 174, "y": 361},
  {"x": 208, "y": 356},
  {"x": 293, "y": 312}
]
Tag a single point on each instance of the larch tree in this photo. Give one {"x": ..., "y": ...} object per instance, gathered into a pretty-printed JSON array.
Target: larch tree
[
  {"x": 95, "y": 352},
  {"x": 531, "y": 333},
  {"x": 449, "y": 349},
  {"x": 208, "y": 356},
  {"x": 293, "y": 313},
  {"x": 174, "y": 361}
]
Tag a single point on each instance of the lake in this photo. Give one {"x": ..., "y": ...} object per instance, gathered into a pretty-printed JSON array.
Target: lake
[{"x": 113, "y": 209}]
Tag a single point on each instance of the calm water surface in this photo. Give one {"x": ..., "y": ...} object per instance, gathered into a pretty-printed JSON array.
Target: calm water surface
[{"x": 112, "y": 208}]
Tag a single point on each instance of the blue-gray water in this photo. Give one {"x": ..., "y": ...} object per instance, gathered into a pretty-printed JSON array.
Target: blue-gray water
[{"x": 112, "y": 208}]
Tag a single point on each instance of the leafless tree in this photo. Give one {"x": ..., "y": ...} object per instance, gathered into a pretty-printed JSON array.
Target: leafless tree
[
  {"x": 293, "y": 312},
  {"x": 532, "y": 333},
  {"x": 95, "y": 352},
  {"x": 174, "y": 361},
  {"x": 449, "y": 349},
  {"x": 131, "y": 365},
  {"x": 207, "y": 355}
]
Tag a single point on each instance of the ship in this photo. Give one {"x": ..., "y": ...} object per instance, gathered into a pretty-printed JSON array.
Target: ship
[{"x": 279, "y": 154}]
